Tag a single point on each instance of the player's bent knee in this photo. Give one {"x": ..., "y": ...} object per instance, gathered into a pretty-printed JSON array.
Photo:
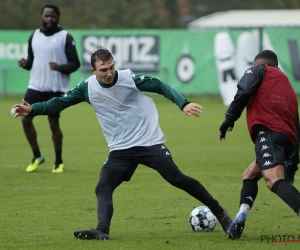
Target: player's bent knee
[{"x": 101, "y": 186}]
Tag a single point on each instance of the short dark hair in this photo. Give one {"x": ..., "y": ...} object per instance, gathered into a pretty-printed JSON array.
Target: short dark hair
[
  {"x": 54, "y": 7},
  {"x": 100, "y": 54},
  {"x": 269, "y": 56}
]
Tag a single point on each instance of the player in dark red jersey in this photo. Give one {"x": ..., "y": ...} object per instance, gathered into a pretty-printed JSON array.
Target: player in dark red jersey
[{"x": 272, "y": 119}]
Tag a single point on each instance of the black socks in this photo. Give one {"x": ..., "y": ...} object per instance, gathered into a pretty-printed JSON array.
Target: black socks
[
  {"x": 36, "y": 153},
  {"x": 249, "y": 192},
  {"x": 58, "y": 154},
  {"x": 288, "y": 193}
]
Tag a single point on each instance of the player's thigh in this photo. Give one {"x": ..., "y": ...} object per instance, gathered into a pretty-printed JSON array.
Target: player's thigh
[
  {"x": 110, "y": 177},
  {"x": 252, "y": 172},
  {"x": 152, "y": 156},
  {"x": 158, "y": 157},
  {"x": 32, "y": 96},
  {"x": 121, "y": 160}
]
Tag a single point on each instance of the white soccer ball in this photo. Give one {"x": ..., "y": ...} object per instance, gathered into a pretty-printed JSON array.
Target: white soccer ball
[
  {"x": 201, "y": 219},
  {"x": 12, "y": 112}
]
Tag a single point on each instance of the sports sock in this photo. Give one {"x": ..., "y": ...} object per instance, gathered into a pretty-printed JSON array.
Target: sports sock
[
  {"x": 244, "y": 208},
  {"x": 36, "y": 153},
  {"x": 248, "y": 195},
  {"x": 58, "y": 157},
  {"x": 249, "y": 192},
  {"x": 288, "y": 193}
]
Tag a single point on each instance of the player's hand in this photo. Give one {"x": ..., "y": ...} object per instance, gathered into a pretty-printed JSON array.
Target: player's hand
[
  {"x": 193, "y": 109},
  {"x": 22, "y": 62},
  {"x": 22, "y": 109},
  {"x": 54, "y": 66},
  {"x": 227, "y": 125}
]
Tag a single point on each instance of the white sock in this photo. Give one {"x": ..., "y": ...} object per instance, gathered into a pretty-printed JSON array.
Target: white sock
[{"x": 244, "y": 208}]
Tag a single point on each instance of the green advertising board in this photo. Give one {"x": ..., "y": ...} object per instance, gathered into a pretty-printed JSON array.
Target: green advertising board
[{"x": 192, "y": 62}]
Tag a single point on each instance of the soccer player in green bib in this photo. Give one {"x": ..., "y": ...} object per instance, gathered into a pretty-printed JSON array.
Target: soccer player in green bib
[{"x": 129, "y": 121}]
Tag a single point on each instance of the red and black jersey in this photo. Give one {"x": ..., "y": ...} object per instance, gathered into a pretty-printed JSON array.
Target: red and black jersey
[{"x": 270, "y": 100}]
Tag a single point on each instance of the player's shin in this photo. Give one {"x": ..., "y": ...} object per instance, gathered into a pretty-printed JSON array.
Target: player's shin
[
  {"x": 248, "y": 195},
  {"x": 288, "y": 193}
]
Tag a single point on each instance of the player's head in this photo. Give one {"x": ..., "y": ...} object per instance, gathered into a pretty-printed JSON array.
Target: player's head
[
  {"x": 103, "y": 65},
  {"x": 101, "y": 54},
  {"x": 266, "y": 57},
  {"x": 50, "y": 16}
]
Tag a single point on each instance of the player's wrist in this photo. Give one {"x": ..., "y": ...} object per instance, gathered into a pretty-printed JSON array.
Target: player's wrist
[{"x": 229, "y": 122}]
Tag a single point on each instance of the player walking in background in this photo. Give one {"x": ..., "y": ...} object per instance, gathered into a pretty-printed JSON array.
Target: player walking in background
[
  {"x": 129, "y": 121},
  {"x": 272, "y": 118},
  {"x": 52, "y": 57}
]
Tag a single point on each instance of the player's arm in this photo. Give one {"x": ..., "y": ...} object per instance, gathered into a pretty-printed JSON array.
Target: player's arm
[
  {"x": 30, "y": 57},
  {"x": 247, "y": 86},
  {"x": 154, "y": 85},
  {"x": 55, "y": 105},
  {"x": 72, "y": 57}
]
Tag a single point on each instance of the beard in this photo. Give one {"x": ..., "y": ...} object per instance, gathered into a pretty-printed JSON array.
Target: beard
[{"x": 51, "y": 27}]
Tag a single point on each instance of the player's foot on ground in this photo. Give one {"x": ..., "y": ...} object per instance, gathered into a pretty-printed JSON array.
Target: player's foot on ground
[
  {"x": 237, "y": 226},
  {"x": 224, "y": 219},
  {"x": 58, "y": 168},
  {"x": 91, "y": 234},
  {"x": 35, "y": 163}
]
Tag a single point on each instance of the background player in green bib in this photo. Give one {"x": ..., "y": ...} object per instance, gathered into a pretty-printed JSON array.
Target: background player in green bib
[{"x": 129, "y": 121}]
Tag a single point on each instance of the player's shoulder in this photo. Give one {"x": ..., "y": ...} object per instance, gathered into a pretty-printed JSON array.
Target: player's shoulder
[
  {"x": 81, "y": 86},
  {"x": 257, "y": 69}
]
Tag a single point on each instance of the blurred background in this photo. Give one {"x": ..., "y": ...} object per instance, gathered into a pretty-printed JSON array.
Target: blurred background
[
  {"x": 126, "y": 14},
  {"x": 160, "y": 38}
]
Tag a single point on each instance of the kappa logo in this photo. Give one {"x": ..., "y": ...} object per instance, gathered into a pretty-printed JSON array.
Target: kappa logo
[
  {"x": 167, "y": 153},
  {"x": 261, "y": 132},
  {"x": 264, "y": 147},
  {"x": 163, "y": 147},
  {"x": 267, "y": 163},
  {"x": 263, "y": 139},
  {"x": 248, "y": 71},
  {"x": 266, "y": 155}
]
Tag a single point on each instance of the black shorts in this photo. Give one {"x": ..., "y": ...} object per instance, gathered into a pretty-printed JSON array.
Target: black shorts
[
  {"x": 271, "y": 148},
  {"x": 127, "y": 160},
  {"x": 33, "y": 96}
]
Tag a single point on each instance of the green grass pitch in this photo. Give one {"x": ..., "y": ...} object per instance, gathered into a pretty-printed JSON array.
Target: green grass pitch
[{"x": 41, "y": 210}]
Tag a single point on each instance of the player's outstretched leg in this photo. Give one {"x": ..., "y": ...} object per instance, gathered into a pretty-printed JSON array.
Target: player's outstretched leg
[
  {"x": 171, "y": 173},
  {"x": 224, "y": 220}
]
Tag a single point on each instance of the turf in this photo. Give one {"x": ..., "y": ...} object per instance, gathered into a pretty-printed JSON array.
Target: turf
[{"x": 41, "y": 210}]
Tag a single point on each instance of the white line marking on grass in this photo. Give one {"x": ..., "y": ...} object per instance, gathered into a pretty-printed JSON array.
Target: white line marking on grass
[
  {"x": 35, "y": 188},
  {"x": 10, "y": 166},
  {"x": 46, "y": 167},
  {"x": 30, "y": 188}
]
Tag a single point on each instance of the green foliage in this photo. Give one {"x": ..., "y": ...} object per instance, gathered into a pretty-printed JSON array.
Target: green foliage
[
  {"x": 41, "y": 210},
  {"x": 125, "y": 14}
]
